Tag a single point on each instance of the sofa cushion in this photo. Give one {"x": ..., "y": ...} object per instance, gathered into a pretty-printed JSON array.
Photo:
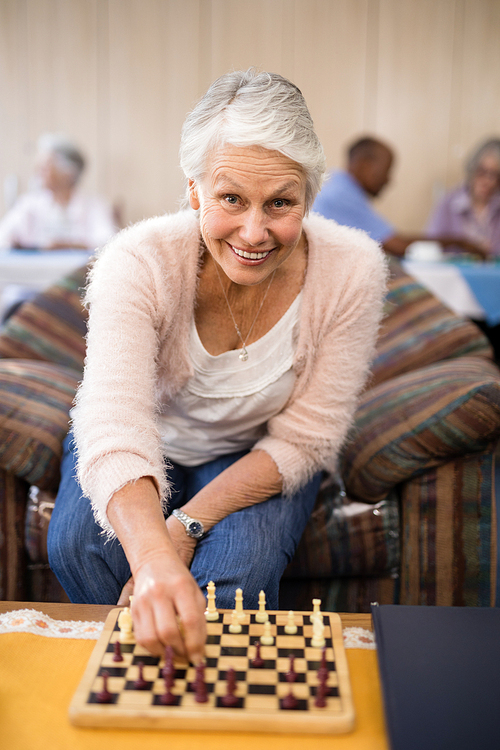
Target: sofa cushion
[
  {"x": 345, "y": 537},
  {"x": 419, "y": 330},
  {"x": 35, "y": 398},
  {"x": 51, "y": 327},
  {"x": 419, "y": 420}
]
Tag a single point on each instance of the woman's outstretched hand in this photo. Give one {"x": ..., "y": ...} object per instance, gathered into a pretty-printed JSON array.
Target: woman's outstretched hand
[
  {"x": 168, "y": 605},
  {"x": 168, "y": 608}
]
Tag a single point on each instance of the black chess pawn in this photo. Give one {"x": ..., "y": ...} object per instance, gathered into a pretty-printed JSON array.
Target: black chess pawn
[
  {"x": 200, "y": 688},
  {"x": 140, "y": 683},
  {"x": 257, "y": 661},
  {"x": 117, "y": 652},
  {"x": 168, "y": 698},
  {"x": 321, "y": 692},
  {"x": 291, "y": 675},
  {"x": 230, "y": 698},
  {"x": 323, "y": 671},
  {"x": 104, "y": 696}
]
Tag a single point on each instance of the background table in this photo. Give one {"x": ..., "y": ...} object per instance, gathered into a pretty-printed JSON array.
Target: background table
[
  {"x": 471, "y": 289},
  {"x": 36, "y": 269}
]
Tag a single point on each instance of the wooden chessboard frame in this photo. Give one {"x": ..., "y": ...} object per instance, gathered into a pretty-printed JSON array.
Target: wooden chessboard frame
[{"x": 261, "y": 716}]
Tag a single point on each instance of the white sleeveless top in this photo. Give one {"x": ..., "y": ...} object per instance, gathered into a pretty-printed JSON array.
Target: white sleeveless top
[{"x": 225, "y": 405}]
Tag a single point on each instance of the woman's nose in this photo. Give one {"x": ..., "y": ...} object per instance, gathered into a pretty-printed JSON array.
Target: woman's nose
[{"x": 254, "y": 230}]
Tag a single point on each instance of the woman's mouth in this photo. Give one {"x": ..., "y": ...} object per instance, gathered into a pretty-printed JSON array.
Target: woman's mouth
[{"x": 250, "y": 256}]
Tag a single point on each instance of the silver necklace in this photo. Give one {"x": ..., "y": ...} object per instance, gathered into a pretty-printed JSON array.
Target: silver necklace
[{"x": 243, "y": 355}]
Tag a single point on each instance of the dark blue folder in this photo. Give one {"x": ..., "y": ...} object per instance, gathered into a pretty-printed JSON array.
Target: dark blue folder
[{"x": 440, "y": 673}]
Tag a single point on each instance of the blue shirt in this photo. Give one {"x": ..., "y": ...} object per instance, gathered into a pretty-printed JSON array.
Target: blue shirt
[{"x": 345, "y": 201}]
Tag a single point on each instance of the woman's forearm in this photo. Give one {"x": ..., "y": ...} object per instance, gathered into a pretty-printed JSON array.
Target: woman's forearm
[
  {"x": 250, "y": 480},
  {"x": 136, "y": 516}
]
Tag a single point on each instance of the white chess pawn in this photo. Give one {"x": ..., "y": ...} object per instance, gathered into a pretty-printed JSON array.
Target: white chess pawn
[
  {"x": 290, "y": 627},
  {"x": 235, "y": 626},
  {"x": 238, "y": 604},
  {"x": 266, "y": 638},
  {"x": 211, "y": 614},
  {"x": 318, "y": 637},
  {"x": 261, "y": 615},
  {"x": 125, "y": 624}
]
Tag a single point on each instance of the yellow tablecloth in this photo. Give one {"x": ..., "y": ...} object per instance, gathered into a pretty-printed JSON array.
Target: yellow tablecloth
[{"x": 38, "y": 677}]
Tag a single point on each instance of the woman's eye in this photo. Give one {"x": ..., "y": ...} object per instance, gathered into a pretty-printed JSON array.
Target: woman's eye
[
  {"x": 279, "y": 203},
  {"x": 231, "y": 199}
]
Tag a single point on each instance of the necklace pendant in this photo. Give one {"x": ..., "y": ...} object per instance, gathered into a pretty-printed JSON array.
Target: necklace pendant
[{"x": 243, "y": 355}]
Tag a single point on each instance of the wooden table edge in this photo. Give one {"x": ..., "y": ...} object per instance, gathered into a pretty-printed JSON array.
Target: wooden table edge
[{"x": 99, "y": 612}]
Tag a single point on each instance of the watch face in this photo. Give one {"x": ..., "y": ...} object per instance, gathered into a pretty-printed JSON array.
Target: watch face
[{"x": 194, "y": 529}]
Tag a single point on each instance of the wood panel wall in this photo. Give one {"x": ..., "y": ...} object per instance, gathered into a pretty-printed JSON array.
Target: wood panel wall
[{"x": 119, "y": 77}]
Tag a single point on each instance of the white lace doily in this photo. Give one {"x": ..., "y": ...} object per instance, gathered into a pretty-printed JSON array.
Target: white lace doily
[
  {"x": 32, "y": 621},
  {"x": 358, "y": 638}
]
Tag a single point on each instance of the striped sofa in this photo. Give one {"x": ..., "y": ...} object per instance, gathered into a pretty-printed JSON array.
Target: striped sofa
[{"x": 410, "y": 518}]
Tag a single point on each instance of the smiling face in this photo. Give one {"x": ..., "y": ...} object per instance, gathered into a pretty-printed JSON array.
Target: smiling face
[{"x": 252, "y": 202}]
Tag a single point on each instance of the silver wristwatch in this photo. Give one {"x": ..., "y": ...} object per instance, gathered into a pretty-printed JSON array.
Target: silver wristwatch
[{"x": 194, "y": 528}]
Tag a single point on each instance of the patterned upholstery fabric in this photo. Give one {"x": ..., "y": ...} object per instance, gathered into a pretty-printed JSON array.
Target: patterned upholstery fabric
[
  {"x": 35, "y": 398},
  {"x": 51, "y": 327},
  {"x": 348, "y": 538},
  {"x": 13, "y": 558},
  {"x": 419, "y": 330},
  {"x": 353, "y": 594},
  {"x": 419, "y": 420},
  {"x": 449, "y": 540}
]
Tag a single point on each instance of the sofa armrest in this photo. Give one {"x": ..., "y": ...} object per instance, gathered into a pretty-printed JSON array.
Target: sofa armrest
[
  {"x": 35, "y": 399},
  {"x": 419, "y": 420},
  {"x": 51, "y": 327}
]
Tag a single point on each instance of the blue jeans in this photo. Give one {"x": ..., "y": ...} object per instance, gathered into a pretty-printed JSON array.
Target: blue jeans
[{"x": 249, "y": 549}]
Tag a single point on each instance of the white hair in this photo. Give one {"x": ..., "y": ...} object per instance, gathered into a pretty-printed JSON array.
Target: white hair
[
  {"x": 491, "y": 146},
  {"x": 249, "y": 108},
  {"x": 66, "y": 154}
]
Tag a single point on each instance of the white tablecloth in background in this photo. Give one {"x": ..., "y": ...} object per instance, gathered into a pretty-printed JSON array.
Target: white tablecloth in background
[{"x": 35, "y": 270}]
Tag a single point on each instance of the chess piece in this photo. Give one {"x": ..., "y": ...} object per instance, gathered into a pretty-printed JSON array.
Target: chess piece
[
  {"x": 235, "y": 626},
  {"x": 200, "y": 689},
  {"x": 323, "y": 672},
  {"x": 125, "y": 624},
  {"x": 257, "y": 662},
  {"x": 291, "y": 675},
  {"x": 104, "y": 696},
  {"x": 117, "y": 652},
  {"x": 266, "y": 638},
  {"x": 211, "y": 614},
  {"x": 321, "y": 692},
  {"x": 140, "y": 683},
  {"x": 168, "y": 698},
  {"x": 290, "y": 627},
  {"x": 289, "y": 702},
  {"x": 238, "y": 604},
  {"x": 261, "y": 615},
  {"x": 316, "y": 608},
  {"x": 230, "y": 699},
  {"x": 318, "y": 638},
  {"x": 168, "y": 667}
]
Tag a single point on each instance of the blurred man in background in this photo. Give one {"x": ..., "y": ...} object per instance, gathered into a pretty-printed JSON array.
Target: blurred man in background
[{"x": 346, "y": 196}]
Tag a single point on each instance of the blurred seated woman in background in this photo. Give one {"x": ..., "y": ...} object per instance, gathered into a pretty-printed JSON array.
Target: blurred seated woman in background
[
  {"x": 227, "y": 346},
  {"x": 56, "y": 215},
  {"x": 473, "y": 210}
]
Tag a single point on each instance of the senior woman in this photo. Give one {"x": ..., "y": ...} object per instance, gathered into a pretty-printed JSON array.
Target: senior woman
[
  {"x": 472, "y": 211},
  {"x": 226, "y": 348}
]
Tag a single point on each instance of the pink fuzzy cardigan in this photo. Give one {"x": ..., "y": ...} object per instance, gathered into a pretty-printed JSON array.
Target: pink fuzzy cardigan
[{"x": 141, "y": 298}]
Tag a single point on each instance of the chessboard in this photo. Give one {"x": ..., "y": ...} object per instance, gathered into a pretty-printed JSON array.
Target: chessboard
[{"x": 259, "y": 692}]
